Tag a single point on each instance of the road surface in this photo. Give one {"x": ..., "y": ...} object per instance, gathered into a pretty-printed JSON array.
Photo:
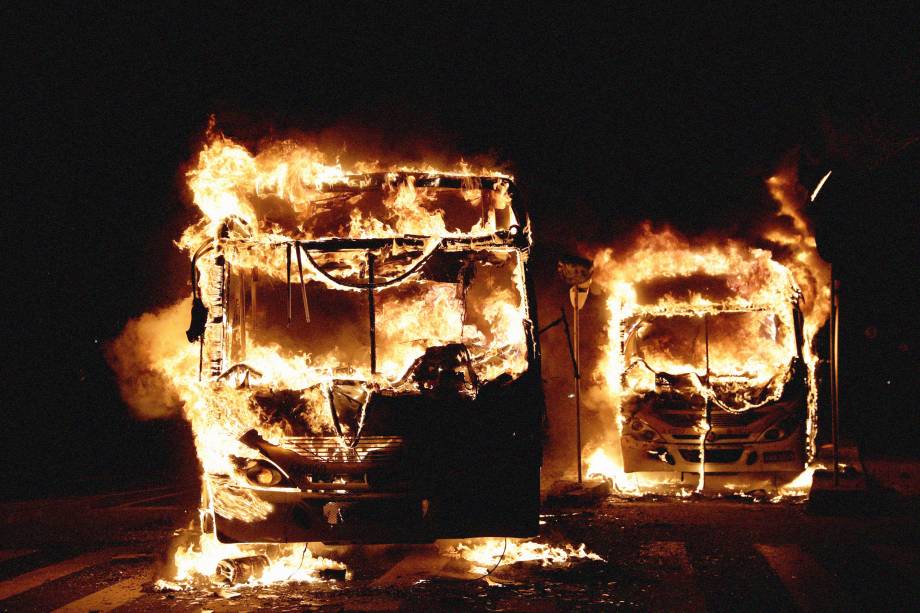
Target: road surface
[{"x": 102, "y": 552}]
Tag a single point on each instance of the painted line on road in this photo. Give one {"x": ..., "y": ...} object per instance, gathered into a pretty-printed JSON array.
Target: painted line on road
[
  {"x": 418, "y": 564},
  {"x": 116, "y": 595},
  {"x": 678, "y": 589},
  {"x": 33, "y": 579},
  {"x": 132, "y": 503},
  {"x": 9, "y": 554},
  {"x": 125, "y": 498},
  {"x": 811, "y": 586}
]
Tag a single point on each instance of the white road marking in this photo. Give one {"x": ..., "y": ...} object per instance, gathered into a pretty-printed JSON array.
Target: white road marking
[
  {"x": 112, "y": 597},
  {"x": 132, "y": 503},
  {"x": 33, "y": 579},
  {"x": 678, "y": 589},
  {"x": 420, "y": 563},
  {"x": 9, "y": 554},
  {"x": 809, "y": 584}
]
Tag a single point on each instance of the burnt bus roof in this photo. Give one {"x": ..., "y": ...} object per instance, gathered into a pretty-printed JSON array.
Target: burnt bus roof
[
  {"x": 376, "y": 180},
  {"x": 502, "y": 238},
  {"x": 716, "y": 289},
  {"x": 516, "y": 236}
]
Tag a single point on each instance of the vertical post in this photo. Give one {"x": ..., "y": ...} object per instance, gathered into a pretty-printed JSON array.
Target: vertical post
[
  {"x": 835, "y": 381},
  {"x": 252, "y": 297},
  {"x": 370, "y": 310},
  {"x": 708, "y": 411},
  {"x": 303, "y": 287},
  {"x": 577, "y": 385},
  {"x": 290, "y": 297},
  {"x": 242, "y": 296}
]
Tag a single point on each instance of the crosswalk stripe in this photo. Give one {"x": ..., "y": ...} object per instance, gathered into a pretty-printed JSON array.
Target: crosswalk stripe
[
  {"x": 678, "y": 589},
  {"x": 811, "y": 587},
  {"x": 30, "y": 580},
  {"x": 9, "y": 554},
  {"x": 112, "y": 597},
  {"x": 420, "y": 563}
]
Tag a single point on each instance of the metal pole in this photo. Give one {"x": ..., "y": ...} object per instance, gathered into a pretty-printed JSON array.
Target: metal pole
[
  {"x": 370, "y": 311},
  {"x": 242, "y": 296},
  {"x": 289, "y": 296},
  {"x": 577, "y": 388},
  {"x": 835, "y": 381},
  {"x": 708, "y": 410},
  {"x": 303, "y": 287}
]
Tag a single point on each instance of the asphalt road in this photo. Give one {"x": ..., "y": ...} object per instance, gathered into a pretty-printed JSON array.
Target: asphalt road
[{"x": 99, "y": 553}]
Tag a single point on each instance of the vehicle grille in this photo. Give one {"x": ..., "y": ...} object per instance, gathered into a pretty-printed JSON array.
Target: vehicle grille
[
  {"x": 682, "y": 419},
  {"x": 724, "y": 419},
  {"x": 718, "y": 419},
  {"x": 715, "y": 456},
  {"x": 333, "y": 449}
]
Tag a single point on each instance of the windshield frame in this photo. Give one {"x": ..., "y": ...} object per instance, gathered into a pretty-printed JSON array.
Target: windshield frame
[{"x": 631, "y": 324}]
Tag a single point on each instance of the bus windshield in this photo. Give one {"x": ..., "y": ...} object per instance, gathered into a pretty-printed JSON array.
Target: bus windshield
[
  {"x": 473, "y": 297},
  {"x": 737, "y": 354}
]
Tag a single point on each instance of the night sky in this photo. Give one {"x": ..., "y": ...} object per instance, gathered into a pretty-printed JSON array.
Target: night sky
[{"x": 605, "y": 119}]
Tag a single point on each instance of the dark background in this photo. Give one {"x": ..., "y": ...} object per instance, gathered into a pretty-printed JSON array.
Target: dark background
[{"x": 605, "y": 118}]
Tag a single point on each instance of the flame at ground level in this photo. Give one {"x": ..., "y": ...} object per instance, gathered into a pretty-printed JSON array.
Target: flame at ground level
[
  {"x": 486, "y": 553},
  {"x": 201, "y": 561},
  {"x": 205, "y": 560}
]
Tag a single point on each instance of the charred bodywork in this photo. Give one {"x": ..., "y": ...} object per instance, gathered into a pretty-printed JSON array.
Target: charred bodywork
[
  {"x": 717, "y": 389},
  {"x": 389, "y": 385}
]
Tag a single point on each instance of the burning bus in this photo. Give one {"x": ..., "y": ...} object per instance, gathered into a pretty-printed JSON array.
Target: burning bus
[
  {"x": 708, "y": 367},
  {"x": 722, "y": 388},
  {"x": 368, "y": 364}
]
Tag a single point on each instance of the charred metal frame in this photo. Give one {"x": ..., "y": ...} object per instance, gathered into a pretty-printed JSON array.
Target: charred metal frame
[
  {"x": 627, "y": 330},
  {"x": 515, "y": 404},
  {"x": 513, "y": 239}
]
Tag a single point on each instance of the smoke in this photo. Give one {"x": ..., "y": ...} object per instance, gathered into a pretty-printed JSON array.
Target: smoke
[{"x": 139, "y": 353}]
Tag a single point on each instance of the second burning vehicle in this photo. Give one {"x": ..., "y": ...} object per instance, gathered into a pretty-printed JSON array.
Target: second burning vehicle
[{"x": 715, "y": 382}]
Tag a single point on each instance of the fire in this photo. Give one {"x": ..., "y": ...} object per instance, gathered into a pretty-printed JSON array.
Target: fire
[
  {"x": 273, "y": 230},
  {"x": 207, "y": 560},
  {"x": 717, "y": 314},
  {"x": 485, "y": 554},
  {"x": 285, "y": 186}
]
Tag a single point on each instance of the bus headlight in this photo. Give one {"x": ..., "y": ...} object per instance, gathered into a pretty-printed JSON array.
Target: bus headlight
[
  {"x": 260, "y": 473},
  {"x": 642, "y": 431}
]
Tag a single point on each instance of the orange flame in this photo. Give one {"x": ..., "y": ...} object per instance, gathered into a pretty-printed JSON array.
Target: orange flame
[
  {"x": 252, "y": 206},
  {"x": 756, "y": 277}
]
